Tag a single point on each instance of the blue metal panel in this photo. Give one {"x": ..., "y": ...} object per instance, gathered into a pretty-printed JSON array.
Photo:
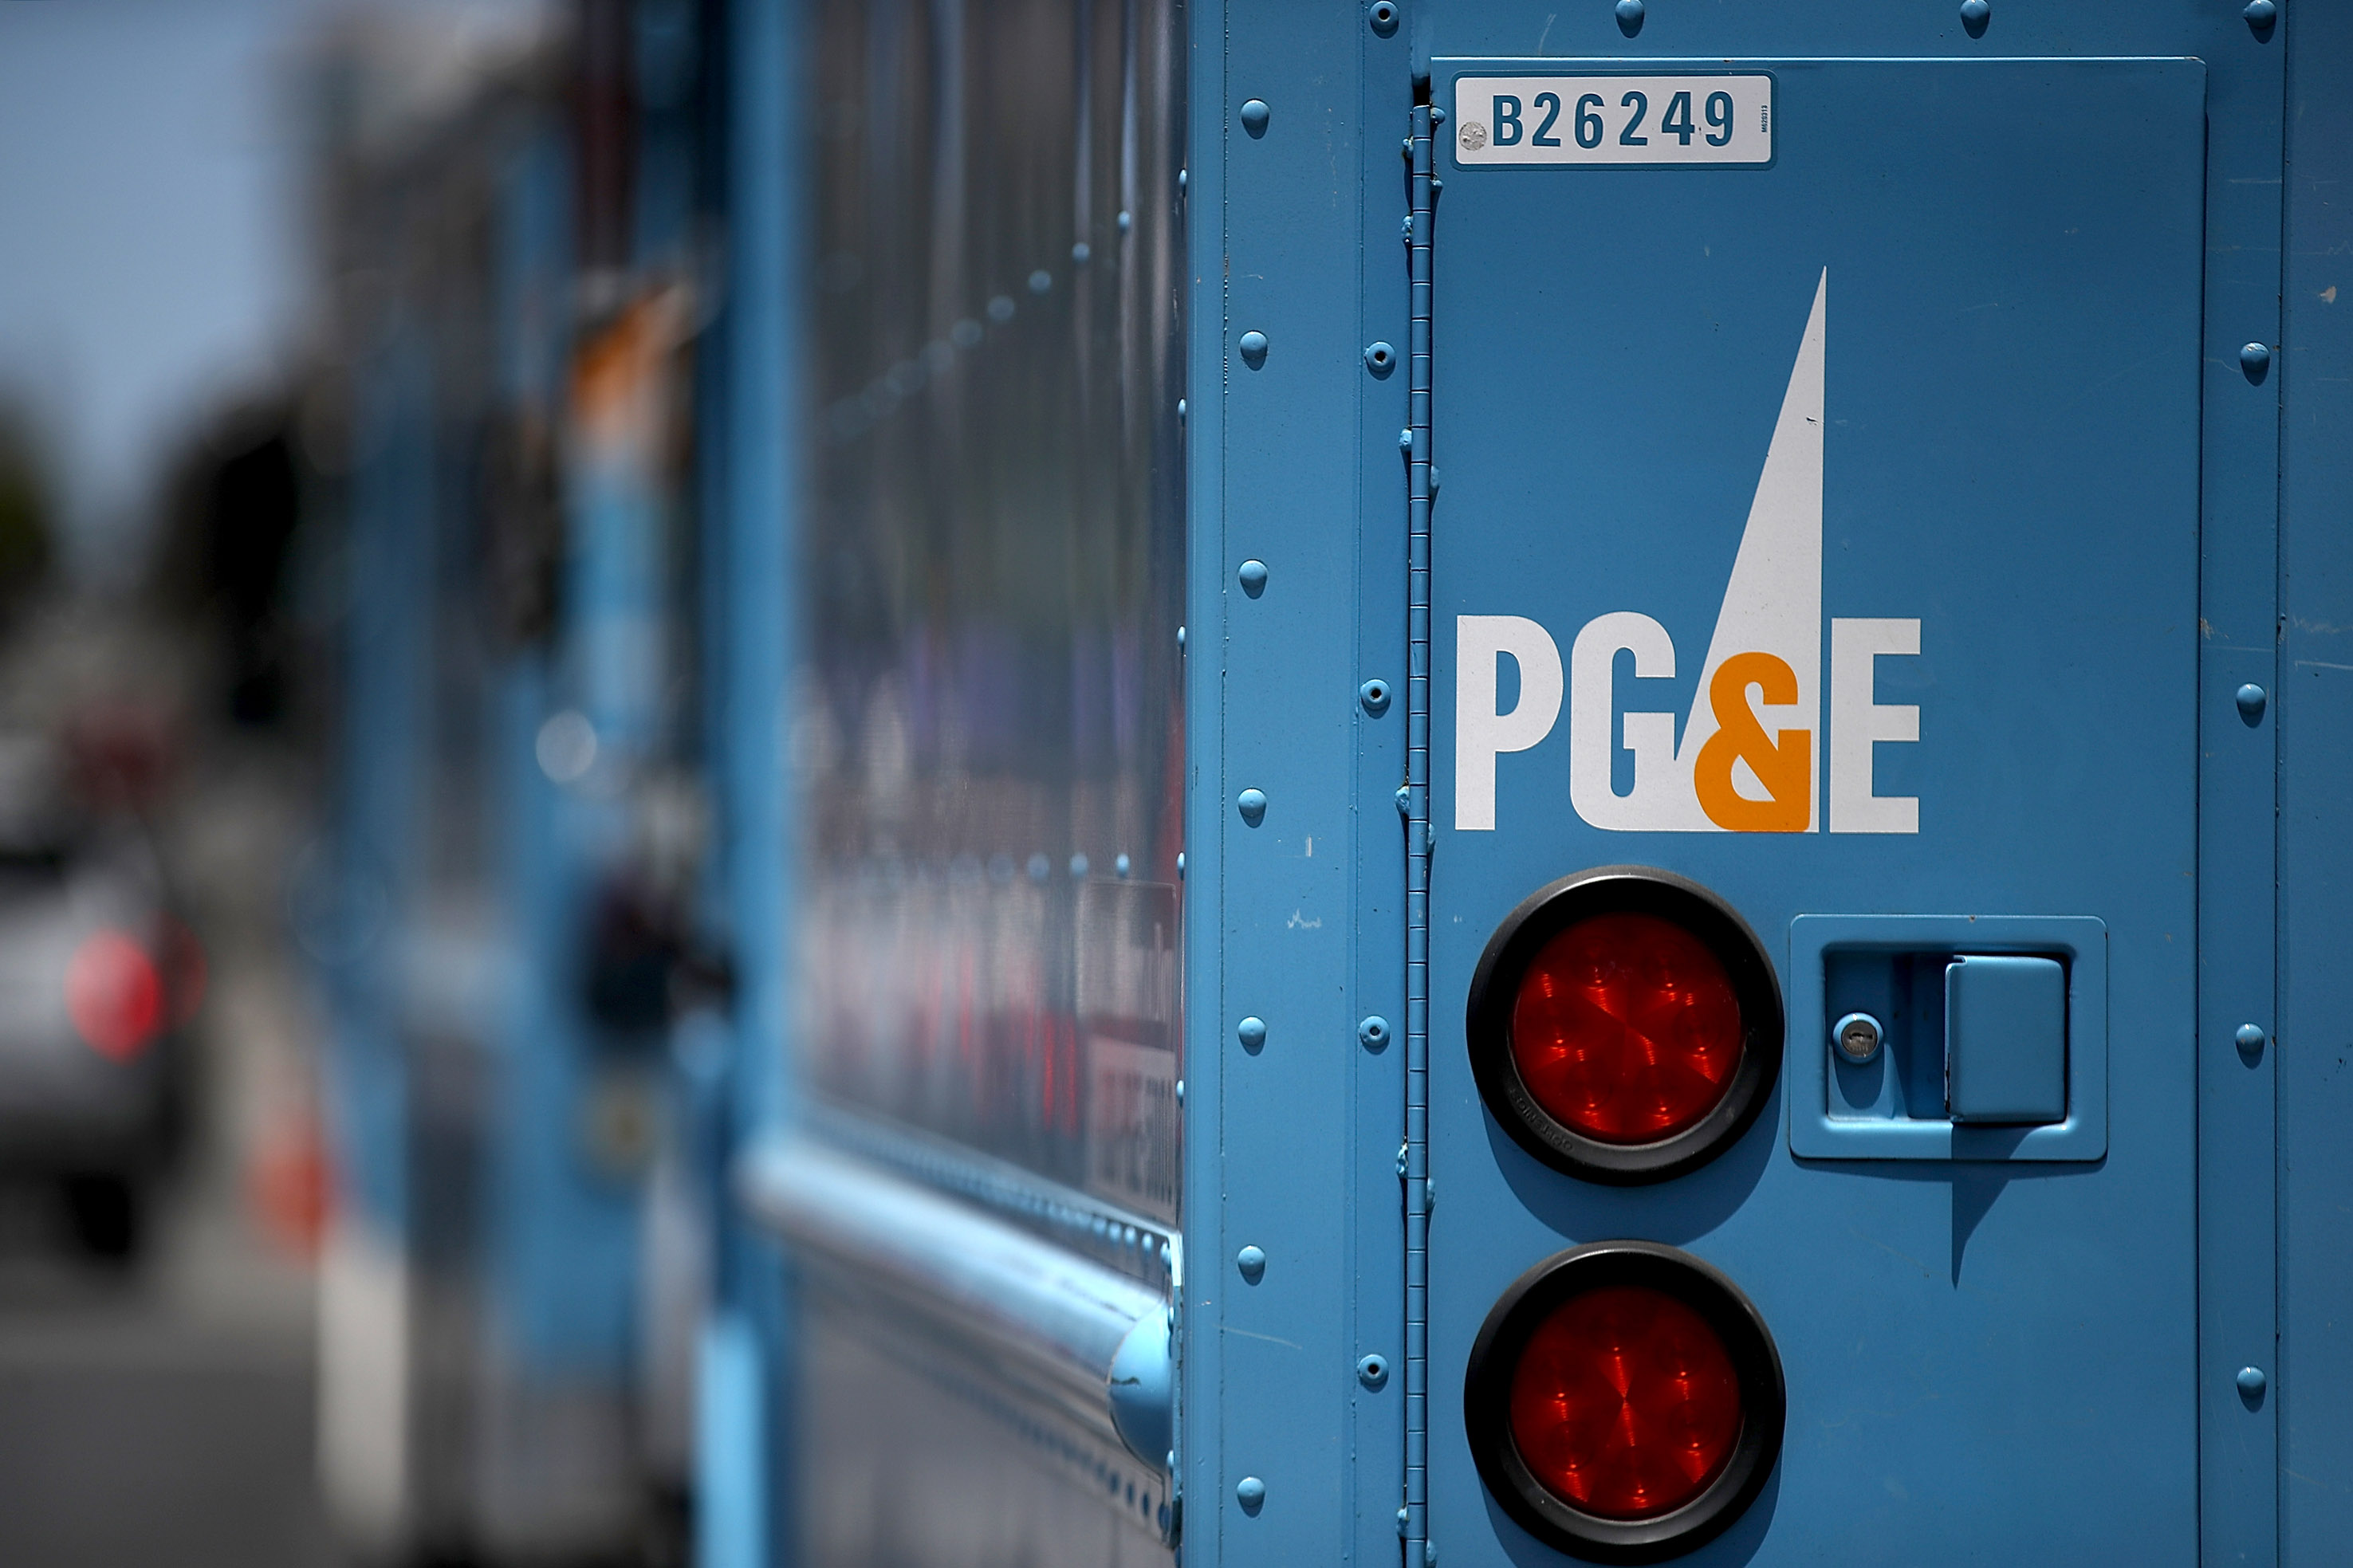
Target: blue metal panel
[
  {"x": 747, "y": 1437},
  {"x": 2237, "y": 804},
  {"x": 560, "y": 1267},
  {"x": 2003, "y": 261},
  {"x": 2315, "y": 1385},
  {"x": 2006, "y": 1038},
  {"x": 665, "y": 49},
  {"x": 563, "y": 1255},
  {"x": 763, "y": 410},
  {"x": 1730, "y": 30},
  {"x": 1269, "y": 1357},
  {"x": 612, "y": 603},
  {"x": 2245, "y": 55},
  {"x": 390, "y": 596},
  {"x": 733, "y": 1501},
  {"x": 1382, "y": 719},
  {"x": 532, "y": 269}
]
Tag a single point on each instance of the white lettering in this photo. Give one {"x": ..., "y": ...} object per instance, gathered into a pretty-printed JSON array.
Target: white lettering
[
  {"x": 1857, "y": 723},
  {"x": 1481, "y": 733},
  {"x": 1592, "y": 716}
]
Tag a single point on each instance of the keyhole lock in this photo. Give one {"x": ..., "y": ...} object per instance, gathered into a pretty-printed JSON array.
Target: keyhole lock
[{"x": 1858, "y": 1037}]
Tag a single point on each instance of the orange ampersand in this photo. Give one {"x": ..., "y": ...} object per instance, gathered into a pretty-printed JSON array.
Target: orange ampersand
[{"x": 1786, "y": 768}]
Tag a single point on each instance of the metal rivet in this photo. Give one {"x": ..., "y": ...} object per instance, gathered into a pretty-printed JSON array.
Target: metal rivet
[
  {"x": 1375, "y": 696},
  {"x": 2261, "y": 14},
  {"x": 1182, "y": 410},
  {"x": 2251, "y": 1383},
  {"x": 1120, "y": 867},
  {"x": 1975, "y": 15},
  {"x": 1380, "y": 359},
  {"x": 1180, "y": 865},
  {"x": 1383, "y": 18},
  {"x": 1040, "y": 281},
  {"x": 1255, "y": 115},
  {"x": 2250, "y": 1038},
  {"x": 1181, "y": 175},
  {"x": 1000, "y": 308},
  {"x": 1629, "y": 16},
  {"x": 1080, "y": 866},
  {"x": 1039, "y": 868},
  {"x": 1251, "y": 1492},
  {"x": 1252, "y": 577},
  {"x": 1126, "y": 221},
  {"x": 1252, "y": 1033},
  {"x": 1180, "y": 639},
  {"x": 1372, "y": 1371},
  {"x": 1374, "y": 1032},
  {"x": 2252, "y": 700},
  {"x": 1436, "y": 115},
  {"x": 1857, "y": 1037},
  {"x": 1253, "y": 347},
  {"x": 2255, "y": 359},
  {"x": 1251, "y": 804},
  {"x": 1081, "y": 252},
  {"x": 1251, "y": 1262}
]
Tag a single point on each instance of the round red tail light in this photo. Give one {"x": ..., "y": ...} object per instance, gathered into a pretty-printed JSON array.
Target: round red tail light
[
  {"x": 1625, "y": 1025},
  {"x": 114, "y": 995},
  {"x": 1624, "y": 1402}
]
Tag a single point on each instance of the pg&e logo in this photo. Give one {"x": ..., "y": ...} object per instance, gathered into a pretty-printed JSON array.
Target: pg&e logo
[{"x": 1749, "y": 761}]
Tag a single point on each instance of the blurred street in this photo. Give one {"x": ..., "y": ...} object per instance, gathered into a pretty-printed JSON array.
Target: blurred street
[
  {"x": 162, "y": 1410},
  {"x": 167, "y": 1420},
  {"x": 360, "y": 969}
]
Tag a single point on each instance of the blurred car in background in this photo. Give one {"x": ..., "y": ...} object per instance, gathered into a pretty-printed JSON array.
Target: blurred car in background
[{"x": 97, "y": 978}]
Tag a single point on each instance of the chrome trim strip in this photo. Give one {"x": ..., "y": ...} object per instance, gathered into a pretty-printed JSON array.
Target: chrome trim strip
[
  {"x": 979, "y": 1275},
  {"x": 1126, "y": 1242}
]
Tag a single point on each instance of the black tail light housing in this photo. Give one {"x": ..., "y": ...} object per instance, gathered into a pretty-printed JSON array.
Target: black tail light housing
[
  {"x": 1625, "y": 1025},
  {"x": 1624, "y": 1402}
]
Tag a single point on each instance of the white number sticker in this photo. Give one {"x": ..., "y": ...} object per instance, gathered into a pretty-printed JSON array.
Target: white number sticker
[{"x": 1613, "y": 120}]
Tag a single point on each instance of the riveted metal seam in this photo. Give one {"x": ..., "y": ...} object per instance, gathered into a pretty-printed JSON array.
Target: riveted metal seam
[
  {"x": 1200, "y": 1434},
  {"x": 1416, "y": 854},
  {"x": 2238, "y": 802}
]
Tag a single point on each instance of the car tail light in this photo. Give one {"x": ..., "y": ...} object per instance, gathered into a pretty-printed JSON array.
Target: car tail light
[
  {"x": 1625, "y": 1025},
  {"x": 114, "y": 994},
  {"x": 1624, "y": 1402}
]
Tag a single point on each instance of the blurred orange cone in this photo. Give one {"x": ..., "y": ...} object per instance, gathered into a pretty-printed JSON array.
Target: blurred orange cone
[{"x": 288, "y": 1181}]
